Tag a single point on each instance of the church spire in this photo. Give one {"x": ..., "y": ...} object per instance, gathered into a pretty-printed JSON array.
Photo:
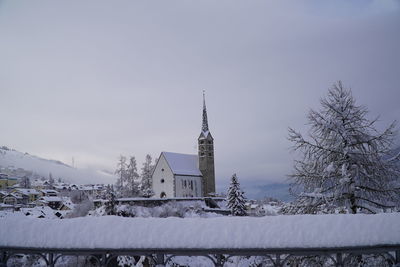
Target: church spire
[{"x": 205, "y": 121}]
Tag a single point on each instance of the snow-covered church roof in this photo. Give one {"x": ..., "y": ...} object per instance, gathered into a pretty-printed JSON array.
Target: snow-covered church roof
[{"x": 183, "y": 164}]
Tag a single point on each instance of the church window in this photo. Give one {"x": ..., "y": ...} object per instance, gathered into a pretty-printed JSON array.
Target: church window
[
  {"x": 162, "y": 195},
  {"x": 184, "y": 183},
  {"x": 162, "y": 180}
]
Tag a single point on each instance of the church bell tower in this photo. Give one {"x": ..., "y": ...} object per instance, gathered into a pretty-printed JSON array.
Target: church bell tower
[{"x": 206, "y": 155}]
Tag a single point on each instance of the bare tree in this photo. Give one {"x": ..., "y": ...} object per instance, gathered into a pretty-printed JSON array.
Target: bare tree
[
  {"x": 51, "y": 180},
  {"x": 25, "y": 182},
  {"x": 346, "y": 162}
]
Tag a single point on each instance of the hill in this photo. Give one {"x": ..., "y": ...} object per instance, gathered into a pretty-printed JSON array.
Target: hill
[{"x": 20, "y": 164}]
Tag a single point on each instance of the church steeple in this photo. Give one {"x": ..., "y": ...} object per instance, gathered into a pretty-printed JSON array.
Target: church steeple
[
  {"x": 205, "y": 121},
  {"x": 206, "y": 154}
]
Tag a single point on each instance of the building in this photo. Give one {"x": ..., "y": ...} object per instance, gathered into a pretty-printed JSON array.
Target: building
[
  {"x": 48, "y": 193},
  {"x": 185, "y": 175},
  {"x": 28, "y": 195},
  {"x": 6, "y": 181},
  {"x": 52, "y": 202}
]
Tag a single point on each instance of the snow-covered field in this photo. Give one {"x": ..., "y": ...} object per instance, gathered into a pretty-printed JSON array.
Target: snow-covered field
[{"x": 298, "y": 231}]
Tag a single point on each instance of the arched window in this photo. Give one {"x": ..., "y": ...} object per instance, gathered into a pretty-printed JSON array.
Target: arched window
[{"x": 163, "y": 195}]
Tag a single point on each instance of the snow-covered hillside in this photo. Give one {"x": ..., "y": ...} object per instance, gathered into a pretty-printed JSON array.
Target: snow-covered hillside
[{"x": 14, "y": 160}]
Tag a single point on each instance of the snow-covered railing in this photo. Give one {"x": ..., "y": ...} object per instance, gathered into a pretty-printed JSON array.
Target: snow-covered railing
[{"x": 271, "y": 236}]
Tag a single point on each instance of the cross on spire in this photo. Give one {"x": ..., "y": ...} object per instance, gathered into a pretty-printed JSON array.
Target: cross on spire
[{"x": 205, "y": 121}]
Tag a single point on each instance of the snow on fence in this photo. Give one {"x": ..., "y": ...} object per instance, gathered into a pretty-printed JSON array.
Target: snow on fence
[{"x": 271, "y": 232}]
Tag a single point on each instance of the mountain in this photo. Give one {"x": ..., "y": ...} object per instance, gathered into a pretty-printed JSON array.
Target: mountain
[
  {"x": 277, "y": 190},
  {"x": 20, "y": 164}
]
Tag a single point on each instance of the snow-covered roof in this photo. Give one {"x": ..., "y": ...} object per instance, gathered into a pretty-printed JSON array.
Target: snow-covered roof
[
  {"x": 51, "y": 199},
  {"x": 39, "y": 212},
  {"x": 183, "y": 164},
  {"x": 26, "y": 191},
  {"x": 17, "y": 196},
  {"x": 61, "y": 187},
  {"x": 91, "y": 187},
  {"x": 49, "y": 191}
]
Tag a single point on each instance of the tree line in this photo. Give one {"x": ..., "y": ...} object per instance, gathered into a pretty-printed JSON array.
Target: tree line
[{"x": 129, "y": 182}]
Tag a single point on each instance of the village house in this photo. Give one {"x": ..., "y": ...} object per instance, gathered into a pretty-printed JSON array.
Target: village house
[
  {"x": 48, "y": 193},
  {"x": 28, "y": 195},
  {"x": 53, "y": 202},
  {"x": 12, "y": 199},
  {"x": 6, "y": 181}
]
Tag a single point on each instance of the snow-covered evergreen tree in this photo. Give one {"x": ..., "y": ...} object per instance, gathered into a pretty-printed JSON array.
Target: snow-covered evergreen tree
[
  {"x": 111, "y": 203},
  {"x": 236, "y": 199},
  {"x": 147, "y": 169},
  {"x": 345, "y": 164},
  {"x": 121, "y": 173},
  {"x": 132, "y": 179}
]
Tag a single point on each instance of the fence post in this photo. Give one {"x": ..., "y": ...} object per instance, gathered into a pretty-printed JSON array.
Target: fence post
[
  {"x": 277, "y": 262},
  {"x": 103, "y": 260},
  {"x": 397, "y": 257},
  {"x": 160, "y": 261},
  {"x": 51, "y": 259},
  {"x": 219, "y": 260},
  {"x": 339, "y": 260},
  {"x": 3, "y": 259}
]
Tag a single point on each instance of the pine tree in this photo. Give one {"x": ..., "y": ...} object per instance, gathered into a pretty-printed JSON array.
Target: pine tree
[
  {"x": 146, "y": 184},
  {"x": 345, "y": 164},
  {"x": 110, "y": 204},
  {"x": 132, "y": 179},
  {"x": 236, "y": 199},
  {"x": 121, "y": 172}
]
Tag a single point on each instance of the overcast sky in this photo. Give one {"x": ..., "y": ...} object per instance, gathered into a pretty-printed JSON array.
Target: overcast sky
[{"x": 96, "y": 79}]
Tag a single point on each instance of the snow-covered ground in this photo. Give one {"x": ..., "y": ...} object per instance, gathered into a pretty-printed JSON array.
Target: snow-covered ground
[
  {"x": 298, "y": 231},
  {"x": 14, "y": 159}
]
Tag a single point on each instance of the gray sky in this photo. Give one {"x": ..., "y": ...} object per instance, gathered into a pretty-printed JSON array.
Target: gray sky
[{"x": 96, "y": 79}]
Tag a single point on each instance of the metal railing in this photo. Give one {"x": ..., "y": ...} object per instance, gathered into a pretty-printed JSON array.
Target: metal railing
[{"x": 337, "y": 256}]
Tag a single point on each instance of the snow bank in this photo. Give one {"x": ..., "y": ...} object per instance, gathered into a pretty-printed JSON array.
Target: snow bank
[{"x": 299, "y": 231}]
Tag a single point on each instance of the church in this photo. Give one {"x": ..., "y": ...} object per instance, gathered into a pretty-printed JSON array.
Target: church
[{"x": 186, "y": 175}]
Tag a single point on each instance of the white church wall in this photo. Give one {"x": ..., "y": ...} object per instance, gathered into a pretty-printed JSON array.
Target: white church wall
[
  {"x": 163, "y": 179},
  {"x": 188, "y": 186}
]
